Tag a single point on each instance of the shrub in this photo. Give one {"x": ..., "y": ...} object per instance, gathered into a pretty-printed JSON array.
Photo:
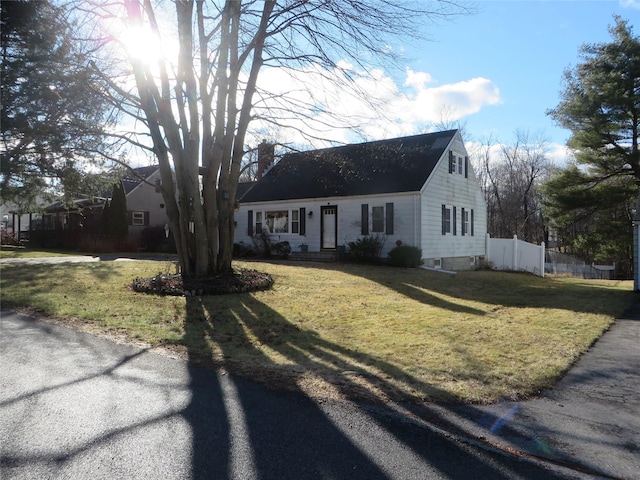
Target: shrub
[
  {"x": 405, "y": 256},
  {"x": 240, "y": 250},
  {"x": 282, "y": 249},
  {"x": 366, "y": 249},
  {"x": 8, "y": 238},
  {"x": 262, "y": 243},
  {"x": 152, "y": 237}
]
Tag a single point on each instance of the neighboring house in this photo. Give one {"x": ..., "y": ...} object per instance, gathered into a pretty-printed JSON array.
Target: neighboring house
[
  {"x": 419, "y": 190},
  {"x": 145, "y": 205},
  {"x": 14, "y": 222}
]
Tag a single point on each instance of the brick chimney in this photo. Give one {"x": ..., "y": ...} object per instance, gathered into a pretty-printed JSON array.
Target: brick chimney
[{"x": 266, "y": 153}]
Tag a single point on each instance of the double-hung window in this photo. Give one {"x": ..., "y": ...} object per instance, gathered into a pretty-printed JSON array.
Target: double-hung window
[
  {"x": 448, "y": 220},
  {"x": 138, "y": 218},
  {"x": 276, "y": 221},
  {"x": 258, "y": 223},
  {"x": 465, "y": 222},
  {"x": 458, "y": 164},
  {"x": 377, "y": 219}
]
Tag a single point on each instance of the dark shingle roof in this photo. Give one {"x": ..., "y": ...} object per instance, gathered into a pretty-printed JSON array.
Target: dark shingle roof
[
  {"x": 385, "y": 166},
  {"x": 243, "y": 188},
  {"x": 132, "y": 179}
]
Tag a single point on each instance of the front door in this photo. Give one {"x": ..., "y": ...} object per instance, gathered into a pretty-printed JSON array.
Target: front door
[{"x": 329, "y": 227}]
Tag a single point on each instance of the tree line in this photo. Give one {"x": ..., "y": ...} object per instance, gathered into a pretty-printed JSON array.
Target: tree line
[{"x": 587, "y": 206}]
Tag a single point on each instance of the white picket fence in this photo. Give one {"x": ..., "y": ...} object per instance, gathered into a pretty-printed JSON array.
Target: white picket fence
[{"x": 515, "y": 255}]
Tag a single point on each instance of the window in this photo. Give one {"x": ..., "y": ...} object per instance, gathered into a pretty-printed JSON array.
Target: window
[
  {"x": 277, "y": 221},
  {"x": 448, "y": 220},
  {"x": 465, "y": 222},
  {"x": 458, "y": 164},
  {"x": 381, "y": 219},
  {"x": 137, "y": 218},
  {"x": 377, "y": 219},
  {"x": 258, "y": 223}
]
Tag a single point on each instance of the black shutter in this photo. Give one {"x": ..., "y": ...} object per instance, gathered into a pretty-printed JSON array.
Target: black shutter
[
  {"x": 389, "y": 219},
  {"x": 250, "y": 223},
  {"x": 451, "y": 166},
  {"x": 365, "y": 219},
  {"x": 146, "y": 219},
  {"x": 444, "y": 217},
  {"x": 472, "y": 222},
  {"x": 129, "y": 217},
  {"x": 454, "y": 221},
  {"x": 466, "y": 167},
  {"x": 303, "y": 221}
]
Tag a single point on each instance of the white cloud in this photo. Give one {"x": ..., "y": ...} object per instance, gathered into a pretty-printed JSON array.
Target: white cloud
[
  {"x": 379, "y": 106},
  {"x": 630, "y": 4},
  {"x": 559, "y": 155}
]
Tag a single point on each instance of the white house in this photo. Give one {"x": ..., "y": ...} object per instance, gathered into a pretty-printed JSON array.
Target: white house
[{"x": 418, "y": 190}]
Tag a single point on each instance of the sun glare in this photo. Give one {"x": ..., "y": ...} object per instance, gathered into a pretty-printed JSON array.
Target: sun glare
[{"x": 141, "y": 43}]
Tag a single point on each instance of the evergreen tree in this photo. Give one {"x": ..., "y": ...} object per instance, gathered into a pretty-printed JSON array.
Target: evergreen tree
[
  {"x": 52, "y": 114},
  {"x": 115, "y": 214},
  {"x": 590, "y": 203}
]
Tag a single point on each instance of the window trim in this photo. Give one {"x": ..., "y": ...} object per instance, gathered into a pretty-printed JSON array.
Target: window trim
[
  {"x": 139, "y": 216},
  {"x": 258, "y": 221},
  {"x": 387, "y": 219},
  {"x": 449, "y": 220},
  {"x": 465, "y": 221},
  {"x": 377, "y": 223},
  {"x": 294, "y": 223},
  {"x": 458, "y": 164},
  {"x": 446, "y": 219}
]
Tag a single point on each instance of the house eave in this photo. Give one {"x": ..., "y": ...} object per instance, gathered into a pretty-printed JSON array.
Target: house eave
[{"x": 332, "y": 199}]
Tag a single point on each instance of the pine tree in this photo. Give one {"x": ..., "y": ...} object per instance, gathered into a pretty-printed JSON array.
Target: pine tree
[{"x": 52, "y": 114}]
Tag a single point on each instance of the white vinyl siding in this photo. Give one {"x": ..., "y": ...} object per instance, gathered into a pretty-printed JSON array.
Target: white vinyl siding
[{"x": 452, "y": 190}]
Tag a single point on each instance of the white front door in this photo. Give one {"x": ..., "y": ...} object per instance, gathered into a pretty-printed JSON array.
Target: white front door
[{"x": 328, "y": 225}]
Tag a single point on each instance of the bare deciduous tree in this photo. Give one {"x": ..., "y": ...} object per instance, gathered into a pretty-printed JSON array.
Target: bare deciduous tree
[
  {"x": 510, "y": 176},
  {"x": 197, "y": 110}
]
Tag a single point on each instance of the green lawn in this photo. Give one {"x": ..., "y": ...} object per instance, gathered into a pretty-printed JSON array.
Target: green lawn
[
  {"x": 348, "y": 330},
  {"x": 10, "y": 251}
]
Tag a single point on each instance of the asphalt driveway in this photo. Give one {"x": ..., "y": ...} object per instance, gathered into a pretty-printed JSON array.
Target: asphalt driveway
[{"x": 73, "y": 405}]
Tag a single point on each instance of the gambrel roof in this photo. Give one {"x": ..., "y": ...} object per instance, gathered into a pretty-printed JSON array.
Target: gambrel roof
[{"x": 386, "y": 166}]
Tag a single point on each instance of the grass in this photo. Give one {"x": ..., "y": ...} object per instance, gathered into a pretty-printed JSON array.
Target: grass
[
  {"x": 374, "y": 333},
  {"x": 10, "y": 251}
]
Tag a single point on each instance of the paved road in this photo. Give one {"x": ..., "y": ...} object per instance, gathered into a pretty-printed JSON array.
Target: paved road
[{"x": 73, "y": 405}]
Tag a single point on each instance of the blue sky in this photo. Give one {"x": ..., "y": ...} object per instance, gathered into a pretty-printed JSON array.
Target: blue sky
[
  {"x": 495, "y": 71},
  {"x": 522, "y": 49}
]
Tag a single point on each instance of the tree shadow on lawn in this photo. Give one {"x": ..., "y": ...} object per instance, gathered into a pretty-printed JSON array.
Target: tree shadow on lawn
[
  {"x": 290, "y": 434},
  {"x": 506, "y": 289}
]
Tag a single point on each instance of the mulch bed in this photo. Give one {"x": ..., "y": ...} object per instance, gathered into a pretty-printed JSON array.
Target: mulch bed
[{"x": 240, "y": 281}]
